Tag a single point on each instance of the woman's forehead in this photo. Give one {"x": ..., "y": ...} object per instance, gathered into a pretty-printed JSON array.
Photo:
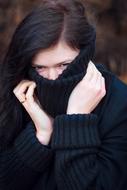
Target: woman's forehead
[{"x": 55, "y": 55}]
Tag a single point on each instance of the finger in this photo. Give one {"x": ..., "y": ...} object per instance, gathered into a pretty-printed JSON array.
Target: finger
[
  {"x": 96, "y": 75},
  {"x": 18, "y": 86},
  {"x": 89, "y": 72},
  {"x": 30, "y": 92},
  {"x": 20, "y": 90},
  {"x": 103, "y": 86},
  {"x": 37, "y": 100},
  {"x": 100, "y": 86},
  {"x": 88, "y": 67},
  {"x": 22, "y": 86}
]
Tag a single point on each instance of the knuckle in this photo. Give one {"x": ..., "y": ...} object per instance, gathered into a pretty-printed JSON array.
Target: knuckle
[
  {"x": 100, "y": 74},
  {"x": 103, "y": 79},
  {"x": 104, "y": 92},
  {"x": 14, "y": 91},
  {"x": 34, "y": 84}
]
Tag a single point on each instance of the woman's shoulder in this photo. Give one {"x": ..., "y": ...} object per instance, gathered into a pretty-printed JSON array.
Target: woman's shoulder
[
  {"x": 114, "y": 104},
  {"x": 112, "y": 80},
  {"x": 115, "y": 99}
]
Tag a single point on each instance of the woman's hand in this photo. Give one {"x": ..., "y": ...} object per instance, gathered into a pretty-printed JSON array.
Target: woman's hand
[
  {"x": 88, "y": 92},
  {"x": 24, "y": 91}
]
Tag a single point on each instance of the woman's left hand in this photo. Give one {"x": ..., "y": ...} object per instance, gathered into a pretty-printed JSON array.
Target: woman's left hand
[{"x": 88, "y": 92}]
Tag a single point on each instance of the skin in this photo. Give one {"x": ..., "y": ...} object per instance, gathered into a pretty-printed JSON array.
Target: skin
[{"x": 49, "y": 63}]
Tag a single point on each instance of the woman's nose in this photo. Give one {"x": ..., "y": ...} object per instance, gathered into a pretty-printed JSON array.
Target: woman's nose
[{"x": 52, "y": 74}]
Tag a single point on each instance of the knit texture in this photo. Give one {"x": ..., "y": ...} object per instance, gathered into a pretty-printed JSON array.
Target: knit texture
[
  {"x": 82, "y": 132},
  {"x": 26, "y": 143},
  {"x": 86, "y": 152}
]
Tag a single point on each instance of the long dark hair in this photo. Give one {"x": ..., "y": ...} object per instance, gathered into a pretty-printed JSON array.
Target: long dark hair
[{"x": 42, "y": 28}]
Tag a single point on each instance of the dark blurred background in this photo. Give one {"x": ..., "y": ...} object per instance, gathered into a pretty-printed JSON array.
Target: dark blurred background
[{"x": 108, "y": 16}]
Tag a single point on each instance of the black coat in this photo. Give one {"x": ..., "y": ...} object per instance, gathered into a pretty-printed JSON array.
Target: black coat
[{"x": 86, "y": 152}]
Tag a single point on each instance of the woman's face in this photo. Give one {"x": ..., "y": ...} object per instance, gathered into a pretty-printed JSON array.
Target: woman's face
[{"x": 51, "y": 62}]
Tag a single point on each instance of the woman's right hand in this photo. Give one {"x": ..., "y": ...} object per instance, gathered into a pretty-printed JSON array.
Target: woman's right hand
[{"x": 24, "y": 92}]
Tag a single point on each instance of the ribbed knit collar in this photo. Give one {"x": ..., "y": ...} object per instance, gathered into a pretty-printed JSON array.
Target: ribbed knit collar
[{"x": 54, "y": 94}]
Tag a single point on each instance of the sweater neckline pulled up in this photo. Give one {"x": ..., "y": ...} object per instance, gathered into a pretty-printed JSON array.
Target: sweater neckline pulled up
[{"x": 53, "y": 95}]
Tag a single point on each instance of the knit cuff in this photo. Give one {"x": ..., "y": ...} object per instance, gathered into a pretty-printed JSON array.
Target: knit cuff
[
  {"x": 75, "y": 131},
  {"x": 31, "y": 151}
]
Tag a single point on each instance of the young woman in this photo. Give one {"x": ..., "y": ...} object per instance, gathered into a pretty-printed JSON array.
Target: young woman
[{"x": 63, "y": 122}]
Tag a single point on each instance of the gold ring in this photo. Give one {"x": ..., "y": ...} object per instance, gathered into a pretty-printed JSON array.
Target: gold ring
[{"x": 23, "y": 101}]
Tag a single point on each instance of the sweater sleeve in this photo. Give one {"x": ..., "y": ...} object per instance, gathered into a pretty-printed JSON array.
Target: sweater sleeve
[
  {"x": 21, "y": 165},
  {"x": 92, "y": 155}
]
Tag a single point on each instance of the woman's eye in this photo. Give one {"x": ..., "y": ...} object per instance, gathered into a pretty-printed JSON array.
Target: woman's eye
[
  {"x": 65, "y": 64},
  {"x": 38, "y": 67}
]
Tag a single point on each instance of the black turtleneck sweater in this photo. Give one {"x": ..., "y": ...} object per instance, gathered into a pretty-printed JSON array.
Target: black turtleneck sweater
[{"x": 86, "y": 152}]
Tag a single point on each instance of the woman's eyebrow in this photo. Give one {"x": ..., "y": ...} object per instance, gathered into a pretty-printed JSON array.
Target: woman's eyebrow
[{"x": 37, "y": 65}]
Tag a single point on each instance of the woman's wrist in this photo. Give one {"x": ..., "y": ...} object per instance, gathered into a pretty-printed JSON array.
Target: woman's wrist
[
  {"x": 43, "y": 137},
  {"x": 75, "y": 111}
]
